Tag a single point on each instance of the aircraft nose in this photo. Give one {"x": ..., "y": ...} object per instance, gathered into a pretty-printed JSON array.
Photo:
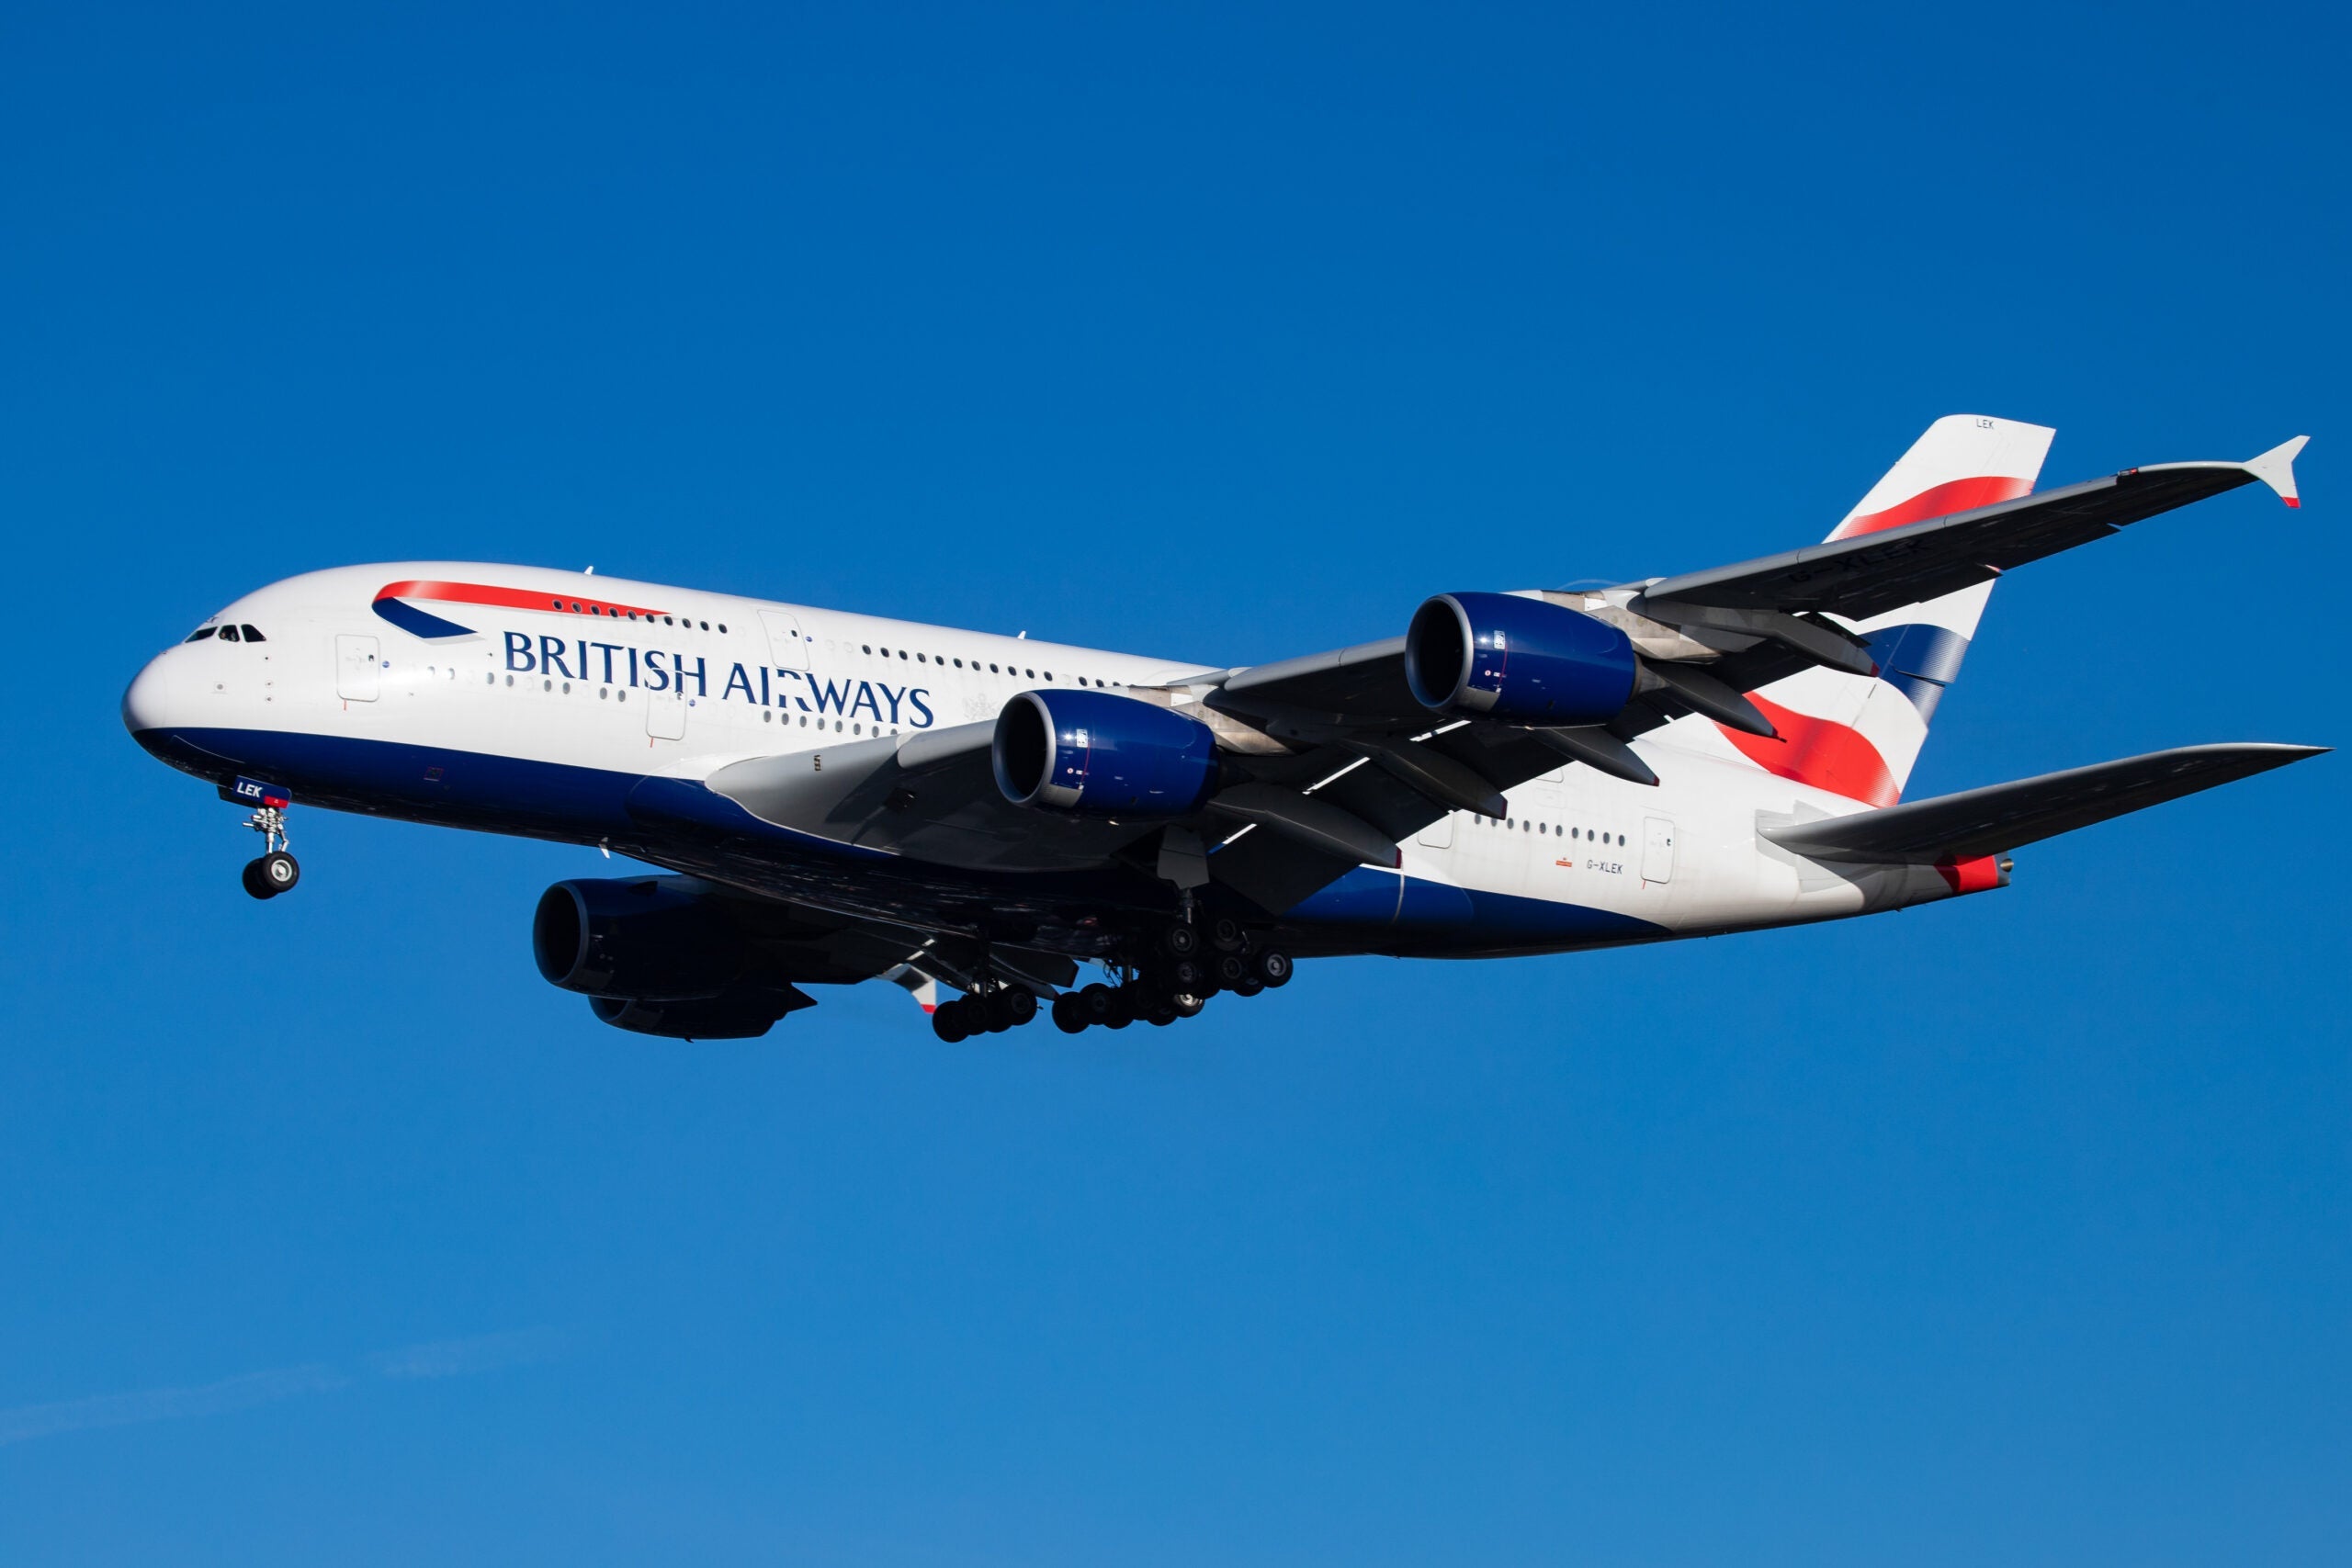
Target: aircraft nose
[{"x": 147, "y": 704}]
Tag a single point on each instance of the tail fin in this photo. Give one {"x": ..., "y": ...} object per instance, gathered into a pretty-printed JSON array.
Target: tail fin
[{"x": 1858, "y": 736}]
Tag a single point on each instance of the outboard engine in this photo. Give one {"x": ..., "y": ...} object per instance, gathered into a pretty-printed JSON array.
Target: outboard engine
[
  {"x": 644, "y": 938},
  {"x": 1523, "y": 660},
  {"x": 1102, "y": 755}
]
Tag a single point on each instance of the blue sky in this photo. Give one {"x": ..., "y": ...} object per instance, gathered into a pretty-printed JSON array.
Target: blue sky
[{"x": 2009, "y": 1230}]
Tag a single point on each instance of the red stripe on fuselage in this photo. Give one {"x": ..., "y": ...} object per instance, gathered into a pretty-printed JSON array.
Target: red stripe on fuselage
[
  {"x": 1819, "y": 753},
  {"x": 1938, "y": 501},
  {"x": 507, "y": 598}
]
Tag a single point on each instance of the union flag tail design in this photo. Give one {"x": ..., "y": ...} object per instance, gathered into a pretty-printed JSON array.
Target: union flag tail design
[{"x": 1858, "y": 736}]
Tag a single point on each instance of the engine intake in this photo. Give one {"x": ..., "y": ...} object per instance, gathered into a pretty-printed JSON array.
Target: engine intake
[
  {"x": 1101, "y": 755},
  {"x": 642, "y": 938},
  {"x": 1526, "y": 661}
]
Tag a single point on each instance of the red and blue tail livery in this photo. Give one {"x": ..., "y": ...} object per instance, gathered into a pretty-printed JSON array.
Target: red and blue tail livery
[{"x": 1008, "y": 826}]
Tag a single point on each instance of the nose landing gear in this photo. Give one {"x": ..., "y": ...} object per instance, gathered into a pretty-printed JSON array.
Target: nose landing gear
[{"x": 276, "y": 872}]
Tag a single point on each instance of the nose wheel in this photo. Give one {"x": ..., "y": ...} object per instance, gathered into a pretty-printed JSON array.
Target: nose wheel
[{"x": 276, "y": 872}]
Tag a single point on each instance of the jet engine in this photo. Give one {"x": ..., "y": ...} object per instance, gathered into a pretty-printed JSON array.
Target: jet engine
[
  {"x": 1102, "y": 755},
  {"x": 740, "y": 1012},
  {"x": 645, "y": 939},
  {"x": 1523, "y": 660}
]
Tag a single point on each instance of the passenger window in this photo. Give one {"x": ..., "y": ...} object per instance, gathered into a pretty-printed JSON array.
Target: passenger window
[
  {"x": 201, "y": 633},
  {"x": 252, "y": 634}
]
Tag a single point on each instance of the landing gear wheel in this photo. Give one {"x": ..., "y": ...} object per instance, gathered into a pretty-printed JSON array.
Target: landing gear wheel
[
  {"x": 273, "y": 873},
  {"x": 1229, "y": 970},
  {"x": 948, "y": 1021},
  {"x": 1010, "y": 1007},
  {"x": 1163, "y": 1013},
  {"x": 1274, "y": 968},
  {"x": 1067, "y": 1018},
  {"x": 1248, "y": 987},
  {"x": 1096, "y": 1004},
  {"x": 1226, "y": 934},
  {"x": 1183, "y": 973},
  {"x": 1187, "y": 1005},
  {"x": 1124, "y": 1007},
  {"x": 1181, "y": 941}
]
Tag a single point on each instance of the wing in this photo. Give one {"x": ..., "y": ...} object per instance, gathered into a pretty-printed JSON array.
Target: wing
[
  {"x": 1869, "y": 573},
  {"x": 2003, "y": 816}
]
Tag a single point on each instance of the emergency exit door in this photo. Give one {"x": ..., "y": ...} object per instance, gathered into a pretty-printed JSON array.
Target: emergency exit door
[{"x": 1658, "y": 849}]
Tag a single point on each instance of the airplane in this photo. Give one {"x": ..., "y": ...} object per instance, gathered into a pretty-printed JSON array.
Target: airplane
[{"x": 839, "y": 797}]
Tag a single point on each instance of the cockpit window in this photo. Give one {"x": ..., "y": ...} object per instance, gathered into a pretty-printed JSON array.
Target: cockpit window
[
  {"x": 228, "y": 634},
  {"x": 253, "y": 634},
  {"x": 201, "y": 633}
]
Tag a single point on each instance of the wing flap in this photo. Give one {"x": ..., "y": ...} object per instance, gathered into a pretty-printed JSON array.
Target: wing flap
[{"x": 2003, "y": 816}]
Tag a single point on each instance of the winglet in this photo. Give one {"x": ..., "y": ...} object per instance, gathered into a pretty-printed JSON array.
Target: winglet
[{"x": 2276, "y": 469}]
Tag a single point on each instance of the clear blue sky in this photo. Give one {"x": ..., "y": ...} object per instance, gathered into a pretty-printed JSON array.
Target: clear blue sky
[{"x": 2014, "y": 1230}]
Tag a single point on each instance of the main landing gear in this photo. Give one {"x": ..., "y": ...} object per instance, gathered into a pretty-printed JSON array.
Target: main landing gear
[
  {"x": 1186, "y": 965},
  {"x": 1177, "y": 980},
  {"x": 276, "y": 872},
  {"x": 984, "y": 1012}
]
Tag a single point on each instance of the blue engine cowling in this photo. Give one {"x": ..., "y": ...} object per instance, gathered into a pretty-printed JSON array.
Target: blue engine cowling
[
  {"x": 1102, "y": 755},
  {"x": 643, "y": 938},
  {"x": 1526, "y": 661}
]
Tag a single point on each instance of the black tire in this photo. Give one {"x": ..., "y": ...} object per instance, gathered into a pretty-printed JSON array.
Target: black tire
[
  {"x": 948, "y": 1021},
  {"x": 278, "y": 870},
  {"x": 1274, "y": 968},
  {"x": 250, "y": 877},
  {"x": 1187, "y": 1005},
  {"x": 1162, "y": 1014},
  {"x": 1183, "y": 973},
  {"x": 1096, "y": 1004},
  {"x": 1124, "y": 1007},
  {"x": 1020, "y": 1005},
  {"x": 1230, "y": 969},
  {"x": 1249, "y": 988},
  {"x": 1226, "y": 934},
  {"x": 1181, "y": 940},
  {"x": 1067, "y": 1016}
]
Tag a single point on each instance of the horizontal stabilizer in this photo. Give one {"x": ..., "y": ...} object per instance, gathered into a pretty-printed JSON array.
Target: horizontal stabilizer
[{"x": 2002, "y": 817}]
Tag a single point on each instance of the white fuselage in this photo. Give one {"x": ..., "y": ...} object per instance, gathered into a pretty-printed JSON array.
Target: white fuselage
[{"x": 678, "y": 683}]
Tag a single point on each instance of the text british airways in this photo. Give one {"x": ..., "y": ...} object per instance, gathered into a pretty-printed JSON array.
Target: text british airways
[{"x": 660, "y": 669}]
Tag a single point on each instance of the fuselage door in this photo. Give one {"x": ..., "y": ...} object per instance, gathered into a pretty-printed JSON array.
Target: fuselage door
[
  {"x": 1438, "y": 835},
  {"x": 358, "y": 675},
  {"x": 1658, "y": 849},
  {"x": 786, "y": 644},
  {"x": 665, "y": 714}
]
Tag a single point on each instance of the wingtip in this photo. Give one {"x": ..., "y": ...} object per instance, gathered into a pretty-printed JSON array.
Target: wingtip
[{"x": 2276, "y": 469}]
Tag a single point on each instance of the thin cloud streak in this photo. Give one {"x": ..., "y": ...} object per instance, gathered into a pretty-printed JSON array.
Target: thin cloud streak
[
  {"x": 29, "y": 1421},
  {"x": 482, "y": 1353},
  {"x": 437, "y": 1358}
]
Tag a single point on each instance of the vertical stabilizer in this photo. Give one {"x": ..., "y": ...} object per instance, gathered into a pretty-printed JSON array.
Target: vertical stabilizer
[{"x": 1858, "y": 736}]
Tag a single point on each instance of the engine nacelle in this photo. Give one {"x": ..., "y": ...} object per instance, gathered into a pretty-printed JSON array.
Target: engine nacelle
[
  {"x": 1102, "y": 755},
  {"x": 645, "y": 937},
  {"x": 1526, "y": 661},
  {"x": 742, "y": 1012}
]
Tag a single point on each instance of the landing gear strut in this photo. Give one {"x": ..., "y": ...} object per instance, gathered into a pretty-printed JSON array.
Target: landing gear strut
[{"x": 276, "y": 872}]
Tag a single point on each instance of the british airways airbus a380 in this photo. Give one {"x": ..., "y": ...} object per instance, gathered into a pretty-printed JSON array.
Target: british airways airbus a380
[{"x": 844, "y": 798}]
